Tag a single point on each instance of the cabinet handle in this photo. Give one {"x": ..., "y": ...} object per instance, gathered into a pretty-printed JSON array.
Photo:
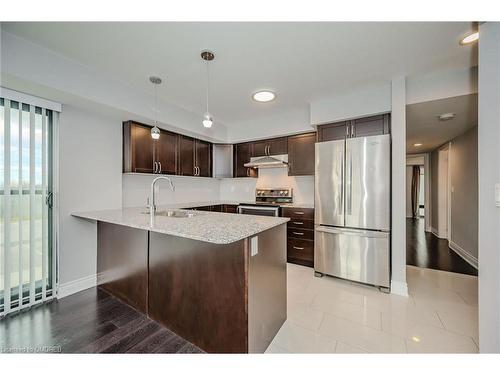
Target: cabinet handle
[
  {"x": 160, "y": 166},
  {"x": 298, "y": 222},
  {"x": 155, "y": 167},
  {"x": 195, "y": 170},
  {"x": 298, "y": 248},
  {"x": 298, "y": 212},
  {"x": 298, "y": 233},
  {"x": 248, "y": 172}
]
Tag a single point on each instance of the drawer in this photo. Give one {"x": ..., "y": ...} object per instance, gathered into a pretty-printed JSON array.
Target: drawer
[
  {"x": 300, "y": 249},
  {"x": 303, "y": 234},
  {"x": 298, "y": 213},
  {"x": 301, "y": 224},
  {"x": 230, "y": 208}
]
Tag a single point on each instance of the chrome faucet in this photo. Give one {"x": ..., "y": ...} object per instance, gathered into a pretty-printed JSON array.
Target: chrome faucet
[{"x": 152, "y": 201}]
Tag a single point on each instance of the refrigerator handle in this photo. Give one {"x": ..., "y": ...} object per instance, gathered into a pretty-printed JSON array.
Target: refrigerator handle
[{"x": 348, "y": 184}]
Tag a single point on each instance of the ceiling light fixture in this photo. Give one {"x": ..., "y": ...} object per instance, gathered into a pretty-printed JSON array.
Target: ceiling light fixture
[
  {"x": 264, "y": 96},
  {"x": 155, "y": 132},
  {"x": 207, "y": 117},
  {"x": 446, "y": 116},
  {"x": 417, "y": 144},
  {"x": 471, "y": 38}
]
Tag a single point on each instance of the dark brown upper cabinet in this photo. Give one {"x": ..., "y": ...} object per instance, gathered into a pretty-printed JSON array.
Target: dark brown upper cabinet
[
  {"x": 203, "y": 158},
  {"x": 333, "y": 132},
  {"x": 273, "y": 146},
  {"x": 242, "y": 152},
  {"x": 186, "y": 156},
  {"x": 362, "y": 127},
  {"x": 301, "y": 154},
  {"x": 373, "y": 125},
  {"x": 165, "y": 150},
  {"x": 138, "y": 148}
]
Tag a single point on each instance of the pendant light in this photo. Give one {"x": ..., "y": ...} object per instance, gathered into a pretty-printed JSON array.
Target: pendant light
[
  {"x": 207, "y": 117},
  {"x": 155, "y": 132}
]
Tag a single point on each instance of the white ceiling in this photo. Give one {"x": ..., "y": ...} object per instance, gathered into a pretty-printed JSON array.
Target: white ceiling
[
  {"x": 301, "y": 62},
  {"x": 423, "y": 125}
]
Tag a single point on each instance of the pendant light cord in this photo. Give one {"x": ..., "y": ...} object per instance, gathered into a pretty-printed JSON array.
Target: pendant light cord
[
  {"x": 208, "y": 84},
  {"x": 156, "y": 104}
]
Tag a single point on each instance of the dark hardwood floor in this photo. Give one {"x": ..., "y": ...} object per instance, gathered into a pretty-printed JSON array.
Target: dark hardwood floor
[
  {"x": 425, "y": 250},
  {"x": 91, "y": 321}
]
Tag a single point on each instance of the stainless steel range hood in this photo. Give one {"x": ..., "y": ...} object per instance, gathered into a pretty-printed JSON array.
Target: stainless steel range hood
[{"x": 275, "y": 161}]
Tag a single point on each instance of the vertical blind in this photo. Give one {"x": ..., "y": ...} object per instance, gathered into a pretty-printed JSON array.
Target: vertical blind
[{"x": 27, "y": 261}]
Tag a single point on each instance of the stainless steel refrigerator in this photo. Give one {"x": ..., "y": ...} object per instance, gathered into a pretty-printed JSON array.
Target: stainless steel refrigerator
[{"x": 352, "y": 209}]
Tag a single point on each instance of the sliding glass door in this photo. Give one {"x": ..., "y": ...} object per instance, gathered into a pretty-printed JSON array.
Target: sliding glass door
[{"x": 27, "y": 264}]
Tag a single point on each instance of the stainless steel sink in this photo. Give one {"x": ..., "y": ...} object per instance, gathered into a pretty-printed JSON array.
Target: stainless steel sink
[{"x": 173, "y": 213}]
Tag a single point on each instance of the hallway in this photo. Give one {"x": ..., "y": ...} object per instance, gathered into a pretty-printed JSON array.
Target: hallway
[{"x": 425, "y": 250}]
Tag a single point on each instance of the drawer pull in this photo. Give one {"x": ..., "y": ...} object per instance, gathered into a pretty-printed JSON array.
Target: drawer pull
[
  {"x": 298, "y": 248},
  {"x": 298, "y": 222},
  {"x": 298, "y": 233},
  {"x": 298, "y": 212}
]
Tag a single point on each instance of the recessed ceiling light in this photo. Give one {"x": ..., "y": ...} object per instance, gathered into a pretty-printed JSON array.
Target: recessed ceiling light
[
  {"x": 417, "y": 144},
  {"x": 264, "y": 96},
  {"x": 446, "y": 116},
  {"x": 470, "y": 38}
]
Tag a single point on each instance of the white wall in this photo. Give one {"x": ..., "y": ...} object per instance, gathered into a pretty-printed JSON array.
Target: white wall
[
  {"x": 89, "y": 179},
  {"x": 136, "y": 190},
  {"x": 439, "y": 85},
  {"x": 364, "y": 101},
  {"x": 398, "y": 213},
  {"x": 489, "y": 175},
  {"x": 243, "y": 189}
]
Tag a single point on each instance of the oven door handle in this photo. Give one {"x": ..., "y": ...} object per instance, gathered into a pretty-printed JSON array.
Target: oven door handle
[{"x": 275, "y": 209}]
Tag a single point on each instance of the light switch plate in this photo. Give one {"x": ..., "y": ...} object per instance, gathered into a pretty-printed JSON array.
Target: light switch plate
[
  {"x": 497, "y": 195},
  {"x": 254, "y": 246}
]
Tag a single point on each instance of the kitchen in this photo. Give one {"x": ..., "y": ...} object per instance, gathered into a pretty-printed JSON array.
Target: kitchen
[{"x": 300, "y": 208}]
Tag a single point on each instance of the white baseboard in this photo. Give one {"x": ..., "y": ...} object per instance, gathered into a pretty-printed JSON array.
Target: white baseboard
[
  {"x": 435, "y": 232},
  {"x": 75, "y": 286},
  {"x": 465, "y": 255},
  {"x": 399, "y": 288}
]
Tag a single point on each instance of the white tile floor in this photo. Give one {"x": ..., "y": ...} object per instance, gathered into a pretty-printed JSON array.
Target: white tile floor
[{"x": 328, "y": 315}]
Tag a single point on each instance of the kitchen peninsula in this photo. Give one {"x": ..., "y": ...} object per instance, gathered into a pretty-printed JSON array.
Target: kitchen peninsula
[{"x": 216, "y": 279}]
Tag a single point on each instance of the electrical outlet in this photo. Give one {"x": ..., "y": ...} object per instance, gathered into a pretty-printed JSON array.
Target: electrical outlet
[
  {"x": 497, "y": 195},
  {"x": 254, "y": 246}
]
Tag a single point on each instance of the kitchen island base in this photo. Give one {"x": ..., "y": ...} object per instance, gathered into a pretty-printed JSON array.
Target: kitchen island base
[{"x": 223, "y": 298}]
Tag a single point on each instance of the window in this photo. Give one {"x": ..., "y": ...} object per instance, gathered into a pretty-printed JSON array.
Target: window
[{"x": 27, "y": 262}]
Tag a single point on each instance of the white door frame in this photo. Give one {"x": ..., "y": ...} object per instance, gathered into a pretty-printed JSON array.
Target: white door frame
[{"x": 427, "y": 186}]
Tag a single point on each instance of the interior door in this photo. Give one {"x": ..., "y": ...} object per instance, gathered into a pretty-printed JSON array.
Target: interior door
[
  {"x": 166, "y": 152},
  {"x": 367, "y": 187},
  {"x": 203, "y": 158},
  {"x": 186, "y": 155},
  {"x": 329, "y": 181}
]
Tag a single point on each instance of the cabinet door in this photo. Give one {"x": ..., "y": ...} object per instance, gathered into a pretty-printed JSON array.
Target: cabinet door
[
  {"x": 242, "y": 153},
  {"x": 259, "y": 148},
  {"x": 368, "y": 126},
  {"x": 203, "y": 158},
  {"x": 301, "y": 154},
  {"x": 277, "y": 146},
  {"x": 186, "y": 155},
  {"x": 166, "y": 152},
  {"x": 137, "y": 148},
  {"x": 332, "y": 132}
]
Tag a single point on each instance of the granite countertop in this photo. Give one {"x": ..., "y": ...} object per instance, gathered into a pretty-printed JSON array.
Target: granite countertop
[{"x": 213, "y": 227}]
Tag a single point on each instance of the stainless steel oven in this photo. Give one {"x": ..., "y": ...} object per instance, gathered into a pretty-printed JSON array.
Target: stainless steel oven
[{"x": 259, "y": 210}]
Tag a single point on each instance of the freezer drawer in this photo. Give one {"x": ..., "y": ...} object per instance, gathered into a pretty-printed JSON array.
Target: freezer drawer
[{"x": 357, "y": 255}]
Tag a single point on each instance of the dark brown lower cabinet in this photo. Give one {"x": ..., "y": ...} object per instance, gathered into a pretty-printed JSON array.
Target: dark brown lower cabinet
[{"x": 300, "y": 235}]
